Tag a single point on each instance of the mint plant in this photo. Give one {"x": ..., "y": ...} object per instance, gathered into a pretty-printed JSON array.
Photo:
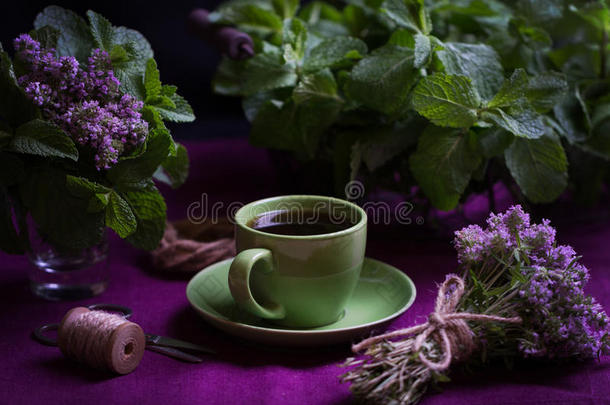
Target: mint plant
[
  {"x": 451, "y": 96},
  {"x": 82, "y": 135}
]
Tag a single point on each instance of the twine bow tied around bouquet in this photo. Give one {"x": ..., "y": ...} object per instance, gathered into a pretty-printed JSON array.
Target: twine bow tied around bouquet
[
  {"x": 448, "y": 328},
  {"x": 560, "y": 321}
]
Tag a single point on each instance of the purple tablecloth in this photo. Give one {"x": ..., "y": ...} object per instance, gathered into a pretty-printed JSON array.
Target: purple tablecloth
[{"x": 230, "y": 170}]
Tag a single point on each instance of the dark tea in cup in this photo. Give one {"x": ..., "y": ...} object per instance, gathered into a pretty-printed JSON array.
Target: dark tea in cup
[{"x": 301, "y": 222}]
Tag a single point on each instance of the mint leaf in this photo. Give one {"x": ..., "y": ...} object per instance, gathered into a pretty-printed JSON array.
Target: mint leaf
[
  {"x": 106, "y": 36},
  {"x": 547, "y": 90},
  {"x": 249, "y": 17},
  {"x": 316, "y": 11},
  {"x": 524, "y": 123},
  {"x": 118, "y": 55},
  {"x": 74, "y": 36},
  {"x": 285, "y": 8},
  {"x": 298, "y": 125},
  {"x": 540, "y": 11},
  {"x": 152, "y": 115},
  {"x": 274, "y": 126},
  {"x": 128, "y": 172},
  {"x": 267, "y": 71},
  {"x": 601, "y": 115},
  {"x": 334, "y": 53},
  {"x": 494, "y": 141},
  {"x": 596, "y": 13},
  {"x": 181, "y": 113},
  {"x": 411, "y": 14},
  {"x": 174, "y": 170},
  {"x": 98, "y": 203},
  {"x": 294, "y": 36},
  {"x": 128, "y": 70},
  {"x": 164, "y": 99},
  {"x": 101, "y": 30},
  {"x": 384, "y": 144},
  {"x": 228, "y": 77},
  {"x": 42, "y": 138},
  {"x": 98, "y": 196},
  {"x": 161, "y": 102},
  {"x": 318, "y": 105},
  {"x": 61, "y": 217},
  {"x": 539, "y": 166},
  {"x": 443, "y": 164},
  {"x": 119, "y": 216},
  {"x": 534, "y": 37},
  {"x": 47, "y": 36},
  {"x": 84, "y": 188},
  {"x": 149, "y": 209},
  {"x": 423, "y": 50},
  {"x": 252, "y": 104},
  {"x": 319, "y": 87},
  {"x": 478, "y": 8},
  {"x": 512, "y": 90},
  {"x": 131, "y": 82},
  {"x": 168, "y": 90},
  {"x": 402, "y": 37},
  {"x": 15, "y": 107},
  {"x": 382, "y": 80},
  {"x": 480, "y": 63},
  {"x": 138, "y": 45},
  {"x": 446, "y": 100}
]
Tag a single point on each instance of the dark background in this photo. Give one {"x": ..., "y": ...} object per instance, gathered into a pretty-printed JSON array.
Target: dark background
[{"x": 183, "y": 60}]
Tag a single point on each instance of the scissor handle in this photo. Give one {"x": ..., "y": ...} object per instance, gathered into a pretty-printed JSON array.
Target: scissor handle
[
  {"x": 39, "y": 334},
  {"x": 45, "y": 340}
]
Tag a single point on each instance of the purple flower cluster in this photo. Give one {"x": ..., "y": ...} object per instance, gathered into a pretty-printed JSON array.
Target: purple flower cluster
[
  {"x": 560, "y": 320},
  {"x": 86, "y": 103}
]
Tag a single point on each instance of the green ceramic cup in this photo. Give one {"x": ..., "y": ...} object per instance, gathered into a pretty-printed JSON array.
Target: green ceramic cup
[{"x": 293, "y": 280}]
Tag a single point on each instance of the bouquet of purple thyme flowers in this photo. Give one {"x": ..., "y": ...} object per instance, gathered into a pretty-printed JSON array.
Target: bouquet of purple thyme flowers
[
  {"x": 86, "y": 103},
  {"x": 519, "y": 295},
  {"x": 82, "y": 134}
]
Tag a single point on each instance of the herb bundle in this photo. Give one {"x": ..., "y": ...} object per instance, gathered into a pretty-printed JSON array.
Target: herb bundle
[
  {"x": 451, "y": 96},
  {"x": 82, "y": 135},
  {"x": 520, "y": 295}
]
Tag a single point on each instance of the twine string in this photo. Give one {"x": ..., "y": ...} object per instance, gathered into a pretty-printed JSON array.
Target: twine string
[
  {"x": 449, "y": 329},
  {"x": 87, "y": 338},
  {"x": 188, "y": 248}
]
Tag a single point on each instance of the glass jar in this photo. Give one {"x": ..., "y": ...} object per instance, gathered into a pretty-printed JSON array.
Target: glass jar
[{"x": 60, "y": 274}]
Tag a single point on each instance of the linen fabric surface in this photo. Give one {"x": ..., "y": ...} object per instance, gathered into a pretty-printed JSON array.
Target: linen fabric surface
[{"x": 232, "y": 171}]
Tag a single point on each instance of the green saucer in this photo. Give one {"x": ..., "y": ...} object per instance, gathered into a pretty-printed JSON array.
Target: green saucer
[{"x": 382, "y": 293}]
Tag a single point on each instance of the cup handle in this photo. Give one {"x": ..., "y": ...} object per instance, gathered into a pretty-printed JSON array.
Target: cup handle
[{"x": 239, "y": 282}]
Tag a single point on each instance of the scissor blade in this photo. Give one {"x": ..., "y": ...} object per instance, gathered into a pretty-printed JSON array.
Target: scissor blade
[
  {"x": 176, "y": 343},
  {"x": 175, "y": 353}
]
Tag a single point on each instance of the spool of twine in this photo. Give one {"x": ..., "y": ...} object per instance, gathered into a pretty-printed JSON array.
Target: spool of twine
[{"x": 101, "y": 340}]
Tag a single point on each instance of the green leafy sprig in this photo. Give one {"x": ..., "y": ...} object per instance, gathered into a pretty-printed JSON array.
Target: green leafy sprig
[
  {"x": 45, "y": 175},
  {"x": 449, "y": 95}
]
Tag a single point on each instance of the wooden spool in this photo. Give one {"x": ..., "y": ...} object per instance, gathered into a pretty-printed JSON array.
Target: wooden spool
[{"x": 121, "y": 354}]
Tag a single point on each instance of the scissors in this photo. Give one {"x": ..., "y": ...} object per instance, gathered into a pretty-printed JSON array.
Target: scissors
[{"x": 165, "y": 345}]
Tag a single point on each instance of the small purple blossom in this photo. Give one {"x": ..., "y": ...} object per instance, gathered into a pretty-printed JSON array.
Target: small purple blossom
[
  {"x": 86, "y": 103},
  {"x": 560, "y": 320}
]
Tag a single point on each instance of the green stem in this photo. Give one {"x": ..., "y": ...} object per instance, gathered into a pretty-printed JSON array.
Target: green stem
[{"x": 602, "y": 51}]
